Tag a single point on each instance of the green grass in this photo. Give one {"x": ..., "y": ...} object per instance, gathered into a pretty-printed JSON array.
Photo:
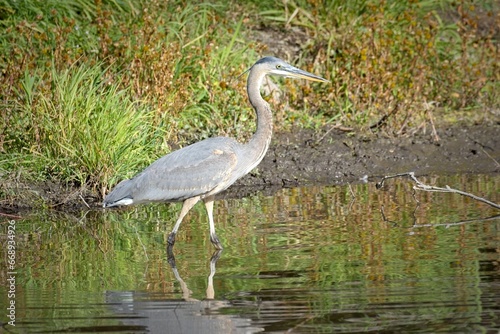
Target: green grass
[
  {"x": 86, "y": 131},
  {"x": 90, "y": 92}
]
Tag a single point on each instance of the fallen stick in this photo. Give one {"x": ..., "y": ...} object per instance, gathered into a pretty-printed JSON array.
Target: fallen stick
[{"x": 424, "y": 187}]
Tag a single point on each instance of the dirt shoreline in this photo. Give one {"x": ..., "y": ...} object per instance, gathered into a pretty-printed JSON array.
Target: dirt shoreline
[
  {"x": 329, "y": 156},
  {"x": 335, "y": 157}
]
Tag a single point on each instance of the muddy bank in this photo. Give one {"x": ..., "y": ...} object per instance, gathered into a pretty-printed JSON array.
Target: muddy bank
[
  {"x": 329, "y": 156},
  {"x": 336, "y": 157}
]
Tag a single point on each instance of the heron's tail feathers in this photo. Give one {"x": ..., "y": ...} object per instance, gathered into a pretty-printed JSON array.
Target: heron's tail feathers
[{"x": 121, "y": 195}]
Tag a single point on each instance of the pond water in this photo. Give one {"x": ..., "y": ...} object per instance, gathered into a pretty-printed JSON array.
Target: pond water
[{"x": 318, "y": 259}]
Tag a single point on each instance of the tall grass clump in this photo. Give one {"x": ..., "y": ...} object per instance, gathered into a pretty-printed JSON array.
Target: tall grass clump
[{"x": 86, "y": 131}]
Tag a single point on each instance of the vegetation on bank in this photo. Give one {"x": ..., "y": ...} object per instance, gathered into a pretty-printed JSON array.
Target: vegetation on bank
[{"x": 92, "y": 91}]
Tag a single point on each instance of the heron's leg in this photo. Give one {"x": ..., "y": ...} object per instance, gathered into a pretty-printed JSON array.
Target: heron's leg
[
  {"x": 186, "y": 206},
  {"x": 209, "y": 204}
]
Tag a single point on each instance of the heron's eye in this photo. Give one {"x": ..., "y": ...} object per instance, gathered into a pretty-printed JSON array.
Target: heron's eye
[{"x": 278, "y": 67}]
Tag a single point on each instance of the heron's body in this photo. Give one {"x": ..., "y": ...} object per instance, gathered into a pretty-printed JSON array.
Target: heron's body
[
  {"x": 160, "y": 182},
  {"x": 204, "y": 169}
]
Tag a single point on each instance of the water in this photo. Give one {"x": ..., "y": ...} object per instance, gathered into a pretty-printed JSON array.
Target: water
[{"x": 305, "y": 260}]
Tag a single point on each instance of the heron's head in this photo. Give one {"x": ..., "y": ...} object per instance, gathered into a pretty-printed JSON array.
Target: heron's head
[{"x": 276, "y": 66}]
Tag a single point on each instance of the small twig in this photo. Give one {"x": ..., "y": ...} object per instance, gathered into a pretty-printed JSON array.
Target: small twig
[
  {"x": 10, "y": 216},
  {"x": 380, "y": 184},
  {"x": 336, "y": 126},
  {"x": 428, "y": 107},
  {"x": 81, "y": 197},
  {"x": 421, "y": 186},
  {"x": 383, "y": 120},
  {"x": 489, "y": 156},
  {"x": 482, "y": 146}
]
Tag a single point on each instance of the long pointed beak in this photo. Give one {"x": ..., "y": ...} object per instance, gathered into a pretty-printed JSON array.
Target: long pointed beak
[{"x": 293, "y": 72}]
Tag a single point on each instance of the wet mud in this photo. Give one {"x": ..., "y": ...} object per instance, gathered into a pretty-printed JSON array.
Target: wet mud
[
  {"x": 329, "y": 156},
  {"x": 332, "y": 156}
]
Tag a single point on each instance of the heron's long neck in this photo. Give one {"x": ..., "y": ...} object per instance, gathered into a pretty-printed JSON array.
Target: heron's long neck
[{"x": 259, "y": 142}]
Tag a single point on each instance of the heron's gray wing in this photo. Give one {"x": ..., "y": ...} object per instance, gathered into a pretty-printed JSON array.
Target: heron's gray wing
[{"x": 197, "y": 169}]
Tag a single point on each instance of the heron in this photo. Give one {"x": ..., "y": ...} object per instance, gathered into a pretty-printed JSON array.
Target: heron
[{"x": 204, "y": 169}]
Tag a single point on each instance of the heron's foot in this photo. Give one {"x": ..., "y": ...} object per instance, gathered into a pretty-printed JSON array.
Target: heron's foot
[
  {"x": 216, "y": 242},
  {"x": 171, "y": 239}
]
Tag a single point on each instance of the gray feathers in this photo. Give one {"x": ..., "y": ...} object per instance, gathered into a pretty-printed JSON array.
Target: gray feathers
[{"x": 194, "y": 170}]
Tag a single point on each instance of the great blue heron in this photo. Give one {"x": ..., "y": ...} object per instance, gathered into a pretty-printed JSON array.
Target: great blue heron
[{"x": 204, "y": 169}]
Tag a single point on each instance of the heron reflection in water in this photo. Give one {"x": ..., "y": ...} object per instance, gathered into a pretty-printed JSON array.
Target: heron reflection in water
[{"x": 202, "y": 170}]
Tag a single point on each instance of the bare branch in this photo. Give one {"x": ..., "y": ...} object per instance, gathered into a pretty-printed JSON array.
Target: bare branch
[
  {"x": 424, "y": 187},
  {"x": 88, "y": 206}
]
